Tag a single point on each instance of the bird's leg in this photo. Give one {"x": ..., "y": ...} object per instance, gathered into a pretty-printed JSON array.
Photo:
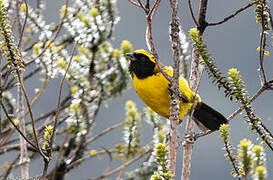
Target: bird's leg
[
  {"x": 188, "y": 138},
  {"x": 201, "y": 134},
  {"x": 177, "y": 92}
]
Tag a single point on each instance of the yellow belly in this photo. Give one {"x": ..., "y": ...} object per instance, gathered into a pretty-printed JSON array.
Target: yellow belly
[{"x": 153, "y": 90}]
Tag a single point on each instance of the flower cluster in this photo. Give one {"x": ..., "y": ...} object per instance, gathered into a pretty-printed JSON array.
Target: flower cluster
[
  {"x": 185, "y": 54},
  {"x": 131, "y": 133},
  {"x": 162, "y": 161},
  {"x": 251, "y": 160},
  {"x": 160, "y": 131},
  {"x": 98, "y": 71},
  {"x": 91, "y": 22}
]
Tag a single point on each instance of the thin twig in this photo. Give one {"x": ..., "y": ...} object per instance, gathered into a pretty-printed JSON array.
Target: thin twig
[
  {"x": 108, "y": 167},
  {"x": 30, "y": 114},
  {"x": 59, "y": 155},
  {"x": 78, "y": 161},
  {"x": 60, "y": 96},
  {"x": 11, "y": 121},
  {"x": 262, "y": 47},
  {"x": 192, "y": 14},
  {"x": 122, "y": 166},
  {"x": 23, "y": 27},
  {"x": 134, "y": 3},
  {"x": 105, "y": 131},
  {"x": 233, "y": 15},
  {"x": 202, "y": 22}
]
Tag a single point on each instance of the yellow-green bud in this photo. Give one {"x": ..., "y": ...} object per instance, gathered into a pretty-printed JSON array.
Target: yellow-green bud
[
  {"x": 29, "y": 30},
  {"x": 82, "y": 49},
  {"x": 129, "y": 104},
  {"x": 49, "y": 44},
  {"x": 155, "y": 176},
  {"x": 94, "y": 12},
  {"x": 16, "y": 121},
  {"x": 106, "y": 46},
  {"x": 161, "y": 136},
  {"x": 82, "y": 17},
  {"x": 224, "y": 127},
  {"x": 23, "y": 7},
  {"x": 46, "y": 145},
  {"x": 63, "y": 9},
  {"x": 194, "y": 32},
  {"x": 76, "y": 59},
  {"x": 61, "y": 63},
  {"x": 36, "y": 48},
  {"x": 75, "y": 106},
  {"x": 116, "y": 53},
  {"x": 245, "y": 143},
  {"x": 261, "y": 172},
  {"x": 233, "y": 72},
  {"x": 74, "y": 89},
  {"x": 260, "y": 169},
  {"x": 257, "y": 149},
  {"x": 48, "y": 132},
  {"x": 58, "y": 48},
  {"x": 92, "y": 152},
  {"x": 132, "y": 112},
  {"x": 126, "y": 47}
]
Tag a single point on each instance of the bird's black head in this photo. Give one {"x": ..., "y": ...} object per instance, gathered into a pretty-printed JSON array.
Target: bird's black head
[{"x": 141, "y": 64}]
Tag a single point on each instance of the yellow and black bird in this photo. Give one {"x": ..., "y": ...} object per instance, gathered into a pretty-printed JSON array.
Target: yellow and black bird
[{"x": 152, "y": 87}]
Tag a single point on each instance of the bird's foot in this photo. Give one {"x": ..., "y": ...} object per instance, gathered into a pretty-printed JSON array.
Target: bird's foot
[
  {"x": 175, "y": 90},
  {"x": 201, "y": 134},
  {"x": 188, "y": 139}
]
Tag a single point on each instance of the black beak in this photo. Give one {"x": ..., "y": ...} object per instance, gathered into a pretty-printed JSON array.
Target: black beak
[{"x": 131, "y": 56}]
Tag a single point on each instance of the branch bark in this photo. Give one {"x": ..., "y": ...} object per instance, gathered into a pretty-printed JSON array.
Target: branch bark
[
  {"x": 24, "y": 160},
  {"x": 174, "y": 109},
  {"x": 188, "y": 145}
]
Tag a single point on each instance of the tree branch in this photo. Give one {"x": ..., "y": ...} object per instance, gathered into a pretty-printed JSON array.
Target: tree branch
[
  {"x": 233, "y": 15},
  {"x": 174, "y": 108}
]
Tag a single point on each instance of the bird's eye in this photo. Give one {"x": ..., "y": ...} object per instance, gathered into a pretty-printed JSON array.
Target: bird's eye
[{"x": 143, "y": 59}]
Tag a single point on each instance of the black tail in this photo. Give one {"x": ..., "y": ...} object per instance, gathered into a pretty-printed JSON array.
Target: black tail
[{"x": 210, "y": 118}]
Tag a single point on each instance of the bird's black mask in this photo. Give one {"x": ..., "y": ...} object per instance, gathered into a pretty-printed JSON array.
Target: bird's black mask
[{"x": 140, "y": 65}]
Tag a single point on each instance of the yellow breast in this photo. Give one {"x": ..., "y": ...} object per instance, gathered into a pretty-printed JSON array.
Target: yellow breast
[{"x": 153, "y": 90}]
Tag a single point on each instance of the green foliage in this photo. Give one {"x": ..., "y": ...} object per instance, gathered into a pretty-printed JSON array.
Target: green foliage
[
  {"x": 225, "y": 135},
  {"x": 214, "y": 73},
  {"x": 8, "y": 47},
  {"x": 233, "y": 85},
  {"x": 242, "y": 97},
  {"x": 262, "y": 14}
]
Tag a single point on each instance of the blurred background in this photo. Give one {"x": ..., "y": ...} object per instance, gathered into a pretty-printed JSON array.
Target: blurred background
[{"x": 232, "y": 44}]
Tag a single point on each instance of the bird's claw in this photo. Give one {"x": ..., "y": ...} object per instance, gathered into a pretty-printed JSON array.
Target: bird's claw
[
  {"x": 189, "y": 139},
  {"x": 175, "y": 90}
]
